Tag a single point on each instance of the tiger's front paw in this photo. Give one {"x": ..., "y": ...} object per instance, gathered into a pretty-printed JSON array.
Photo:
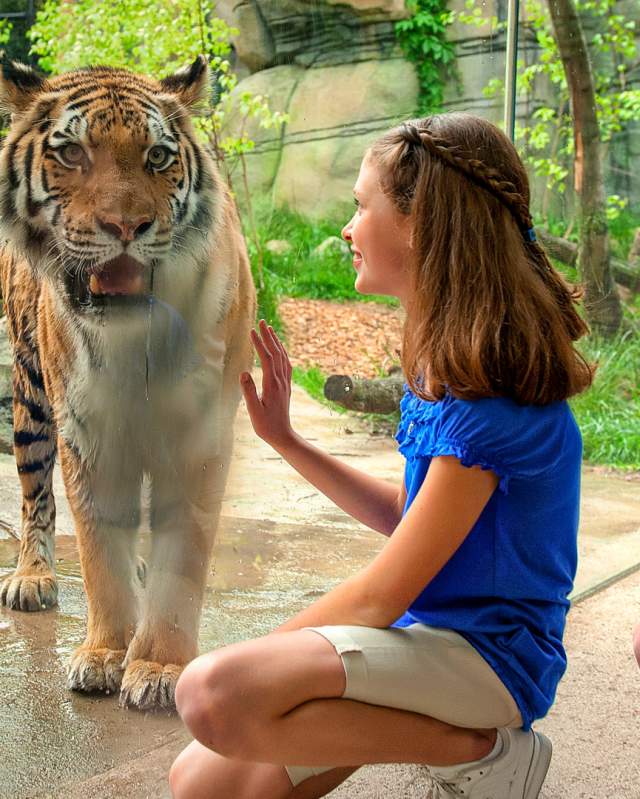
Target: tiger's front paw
[
  {"x": 29, "y": 592},
  {"x": 96, "y": 670},
  {"x": 150, "y": 686}
]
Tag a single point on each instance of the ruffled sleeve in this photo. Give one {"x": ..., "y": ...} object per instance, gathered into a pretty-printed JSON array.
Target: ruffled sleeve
[{"x": 495, "y": 433}]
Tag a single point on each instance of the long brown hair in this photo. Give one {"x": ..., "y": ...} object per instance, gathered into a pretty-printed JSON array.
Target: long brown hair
[{"x": 489, "y": 315}]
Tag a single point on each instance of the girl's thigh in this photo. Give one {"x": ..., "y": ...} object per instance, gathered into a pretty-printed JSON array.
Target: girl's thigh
[{"x": 264, "y": 676}]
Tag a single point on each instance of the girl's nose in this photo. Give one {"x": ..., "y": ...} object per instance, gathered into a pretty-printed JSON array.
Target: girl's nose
[{"x": 346, "y": 231}]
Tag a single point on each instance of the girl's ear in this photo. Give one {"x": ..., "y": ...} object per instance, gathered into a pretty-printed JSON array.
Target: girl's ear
[
  {"x": 190, "y": 85},
  {"x": 19, "y": 85}
]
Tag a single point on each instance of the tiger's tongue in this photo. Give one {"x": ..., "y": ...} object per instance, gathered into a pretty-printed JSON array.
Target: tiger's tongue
[{"x": 122, "y": 275}]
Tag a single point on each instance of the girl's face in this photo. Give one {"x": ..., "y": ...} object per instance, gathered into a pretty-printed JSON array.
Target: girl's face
[{"x": 379, "y": 236}]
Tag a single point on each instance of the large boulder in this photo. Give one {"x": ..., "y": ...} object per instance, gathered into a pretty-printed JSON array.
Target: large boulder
[
  {"x": 311, "y": 32},
  {"x": 336, "y": 69},
  {"x": 336, "y": 113}
]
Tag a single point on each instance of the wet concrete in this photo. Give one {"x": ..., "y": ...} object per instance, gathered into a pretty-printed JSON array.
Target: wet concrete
[{"x": 280, "y": 545}]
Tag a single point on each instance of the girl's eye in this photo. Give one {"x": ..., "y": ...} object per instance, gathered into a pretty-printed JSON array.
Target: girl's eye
[
  {"x": 73, "y": 154},
  {"x": 158, "y": 156}
]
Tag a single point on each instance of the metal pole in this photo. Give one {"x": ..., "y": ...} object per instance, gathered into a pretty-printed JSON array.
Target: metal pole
[{"x": 511, "y": 67}]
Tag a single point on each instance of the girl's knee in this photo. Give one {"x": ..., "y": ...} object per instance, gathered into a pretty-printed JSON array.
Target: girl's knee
[
  {"x": 180, "y": 777},
  {"x": 209, "y": 699}
]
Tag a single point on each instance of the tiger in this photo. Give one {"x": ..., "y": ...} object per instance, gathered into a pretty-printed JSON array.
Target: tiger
[{"x": 129, "y": 301}]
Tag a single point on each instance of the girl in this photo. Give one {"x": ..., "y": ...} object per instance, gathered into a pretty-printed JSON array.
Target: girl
[{"x": 448, "y": 646}]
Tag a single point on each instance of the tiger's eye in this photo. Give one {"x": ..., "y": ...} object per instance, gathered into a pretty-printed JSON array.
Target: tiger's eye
[
  {"x": 158, "y": 156},
  {"x": 72, "y": 153}
]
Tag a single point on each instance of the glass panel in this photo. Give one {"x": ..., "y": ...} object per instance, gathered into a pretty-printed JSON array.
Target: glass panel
[{"x": 133, "y": 238}]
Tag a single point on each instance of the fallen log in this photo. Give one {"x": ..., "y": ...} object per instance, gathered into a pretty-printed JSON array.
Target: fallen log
[
  {"x": 626, "y": 274},
  {"x": 369, "y": 396}
]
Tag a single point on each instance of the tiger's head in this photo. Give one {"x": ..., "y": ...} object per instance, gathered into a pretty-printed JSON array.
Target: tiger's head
[{"x": 102, "y": 179}]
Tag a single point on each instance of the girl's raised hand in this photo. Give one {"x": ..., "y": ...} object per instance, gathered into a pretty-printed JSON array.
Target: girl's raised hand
[{"x": 269, "y": 413}]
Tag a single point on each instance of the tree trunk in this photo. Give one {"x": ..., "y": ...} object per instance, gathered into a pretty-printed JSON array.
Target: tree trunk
[
  {"x": 369, "y": 396},
  {"x": 602, "y": 303}
]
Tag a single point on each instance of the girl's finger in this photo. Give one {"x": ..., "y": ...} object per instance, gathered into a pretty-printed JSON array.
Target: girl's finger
[
  {"x": 268, "y": 338},
  {"x": 249, "y": 392},
  {"x": 277, "y": 348},
  {"x": 277, "y": 344},
  {"x": 286, "y": 363},
  {"x": 263, "y": 353},
  {"x": 271, "y": 342}
]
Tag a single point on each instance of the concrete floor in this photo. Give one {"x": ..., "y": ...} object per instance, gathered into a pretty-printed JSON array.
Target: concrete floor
[{"x": 280, "y": 545}]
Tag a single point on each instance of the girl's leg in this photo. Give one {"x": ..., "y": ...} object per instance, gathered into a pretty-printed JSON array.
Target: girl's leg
[
  {"x": 199, "y": 773},
  {"x": 276, "y": 700}
]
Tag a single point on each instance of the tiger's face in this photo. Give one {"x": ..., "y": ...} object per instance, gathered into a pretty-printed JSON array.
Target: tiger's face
[{"x": 102, "y": 180}]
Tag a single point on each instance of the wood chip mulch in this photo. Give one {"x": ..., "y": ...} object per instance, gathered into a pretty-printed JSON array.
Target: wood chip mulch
[{"x": 361, "y": 339}]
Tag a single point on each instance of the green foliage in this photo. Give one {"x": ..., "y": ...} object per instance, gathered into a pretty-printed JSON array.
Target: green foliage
[
  {"x": 608, "y": 412},
  {"x": 5, "y": 31},
  {"x": 422, "y": 38},
  {"x": 546, "y": 141},
  {"x": 154, "y": 37},
  {"x": 622, "y": 227}
]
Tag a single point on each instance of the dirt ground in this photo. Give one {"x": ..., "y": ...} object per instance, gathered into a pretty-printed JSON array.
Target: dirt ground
[{"x": 355, "y": 338}]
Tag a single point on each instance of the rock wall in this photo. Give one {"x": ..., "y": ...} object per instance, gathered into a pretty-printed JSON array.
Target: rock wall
[{"x": 335, "y": 67}]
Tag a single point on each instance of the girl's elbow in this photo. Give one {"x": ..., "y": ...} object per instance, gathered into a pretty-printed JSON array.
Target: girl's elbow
[{"x": 381, "y": 610}]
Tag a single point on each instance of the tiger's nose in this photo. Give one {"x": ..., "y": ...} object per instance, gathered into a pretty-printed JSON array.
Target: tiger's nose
[{"x": 124, "y": 229}]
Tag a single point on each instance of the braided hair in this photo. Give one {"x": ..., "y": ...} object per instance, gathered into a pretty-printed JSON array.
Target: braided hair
[{"x": 490, "y": 316}]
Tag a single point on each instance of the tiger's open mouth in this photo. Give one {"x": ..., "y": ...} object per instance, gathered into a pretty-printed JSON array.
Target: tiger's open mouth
[
  {"x": 120, "y": 276},
  {"x": 120, "y": 281}
]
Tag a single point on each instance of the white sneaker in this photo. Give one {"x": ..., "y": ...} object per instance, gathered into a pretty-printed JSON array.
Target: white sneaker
[{"x": 517, "y": 772}]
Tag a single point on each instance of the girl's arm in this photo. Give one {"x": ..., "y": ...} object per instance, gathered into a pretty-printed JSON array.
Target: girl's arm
[
  {"x": 370, "y": 500},
  {"x": 445, "y": 509}
]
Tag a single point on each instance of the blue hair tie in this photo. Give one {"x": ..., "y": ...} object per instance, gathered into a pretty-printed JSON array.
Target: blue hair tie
[{"x": 530, "y": 234}]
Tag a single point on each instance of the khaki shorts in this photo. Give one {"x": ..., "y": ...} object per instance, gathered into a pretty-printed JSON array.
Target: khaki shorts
[{"x": 419, "y": 668}]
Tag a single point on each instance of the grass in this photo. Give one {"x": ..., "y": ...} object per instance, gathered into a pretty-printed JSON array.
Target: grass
[{"x": 607, "y": 413}]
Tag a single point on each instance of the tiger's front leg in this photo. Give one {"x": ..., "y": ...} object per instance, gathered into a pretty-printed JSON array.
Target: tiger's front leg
[
  {"x": 184, "y": 515},
  {"x": 33, "y": 585},
  {"x": 106, "y": 507}
]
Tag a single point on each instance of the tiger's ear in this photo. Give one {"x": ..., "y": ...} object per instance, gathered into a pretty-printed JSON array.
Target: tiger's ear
[
  {"x": 191, "y": 85},
  {"x": 19, "y": 84}
]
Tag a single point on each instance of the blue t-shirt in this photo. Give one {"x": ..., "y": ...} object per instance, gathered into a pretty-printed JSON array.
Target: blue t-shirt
[{"x": 505, "y": 589}]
